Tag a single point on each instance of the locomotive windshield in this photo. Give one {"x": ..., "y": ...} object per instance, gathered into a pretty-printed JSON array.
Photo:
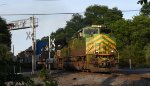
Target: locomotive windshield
[
  {"x": 105, "y": 30},
  {"x": 91, "y": 31}
]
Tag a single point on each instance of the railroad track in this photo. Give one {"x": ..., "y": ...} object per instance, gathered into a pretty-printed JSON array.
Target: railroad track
[{"x": 74, "y": 78}]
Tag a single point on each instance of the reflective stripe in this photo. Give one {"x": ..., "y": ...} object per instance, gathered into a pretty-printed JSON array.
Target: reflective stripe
[{"x": 102, "y": 43}]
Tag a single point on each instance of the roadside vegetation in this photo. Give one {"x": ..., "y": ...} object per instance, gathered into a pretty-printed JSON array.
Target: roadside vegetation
[{"x": 7, "y": 64}]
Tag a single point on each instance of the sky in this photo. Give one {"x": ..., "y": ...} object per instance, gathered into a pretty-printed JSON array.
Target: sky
[{"x": 51, "y": 23}]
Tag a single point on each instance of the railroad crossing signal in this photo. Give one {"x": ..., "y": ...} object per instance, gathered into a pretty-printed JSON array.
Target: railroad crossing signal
[{"x": 52, "y": 44}]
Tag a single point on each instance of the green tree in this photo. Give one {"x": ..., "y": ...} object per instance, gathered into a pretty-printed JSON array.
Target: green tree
[
  {"x": 140, "y": 33},
  {"x": 145, "y": 10},
  {"x": 142, "y": 2},
  {"x": 4, "y": 52},
  {"x": 122, "y": 32},
  {"x": 62, "y": 35},
  {"x": 6, "y": 64},
  {"x": 98, "y": 14},
  {"x": 134, "y": 53},
  {"x": 5, "y": 36},
  {"x": 76, "y": 23},
  {"x": 147, "y": 54},
  {"x": 6, "y": 68},
  {"x": 132, "y": 37}
]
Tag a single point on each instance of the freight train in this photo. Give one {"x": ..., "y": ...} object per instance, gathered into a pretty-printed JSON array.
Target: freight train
[{"x": 93, "y": 48}]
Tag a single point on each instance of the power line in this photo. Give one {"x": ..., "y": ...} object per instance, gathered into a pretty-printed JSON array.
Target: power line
[
  {"x": 129, "y": 10},
  {"x": 2, "y": 4},
  {"x": 38, "y": 14},
  {"x": 47, "y": 0},
  {"x": 55, "y": 13}
]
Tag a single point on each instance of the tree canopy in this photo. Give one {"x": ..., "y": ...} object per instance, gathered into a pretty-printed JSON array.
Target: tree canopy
[
  {"x": 5, "y": 40},
  {"x": 6, "y": 63},
  {"x": 5, "y": 36},
  {"x": 142, "y": 2},
  {"x": 62, "y": 35},
  {"x": 133, "y": 37},
  {"x": 145, "y": 10},
  {"x": 98, "y": 14}
]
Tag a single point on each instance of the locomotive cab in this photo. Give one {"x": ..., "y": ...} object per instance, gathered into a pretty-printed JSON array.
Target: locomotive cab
[{"x": 96, "y": 29}]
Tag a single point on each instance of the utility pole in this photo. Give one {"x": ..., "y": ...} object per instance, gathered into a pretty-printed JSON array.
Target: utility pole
[
  {"x": 130, "y": 63},
  {"x": 33, "y": 44},
  {"x": 14, "y": 60},
  {"x": 13, "y": 51},
  {"x": 49, "y": 52}
]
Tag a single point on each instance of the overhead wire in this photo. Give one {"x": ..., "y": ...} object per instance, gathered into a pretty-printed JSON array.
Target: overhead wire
[
  {"x": 68, "y": 13},
  {"x": 36, "y": 14},
  {"x": 129, "y": 10}
]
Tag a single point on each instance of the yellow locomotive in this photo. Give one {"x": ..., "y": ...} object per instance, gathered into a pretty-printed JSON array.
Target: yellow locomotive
[{"x": 92, "y": 49}]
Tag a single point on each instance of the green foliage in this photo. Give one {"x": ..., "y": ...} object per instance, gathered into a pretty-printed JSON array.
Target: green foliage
[
  {"x": 141, "y": 28},
  {"x": 5, "y": 36},
  {"x": 75, "y": 24},
  {"x": 5, "y": 43},
  {"x": 122, "y": 31},
  {"x": 6, "y": 64},
  {"x": 132, "y": 37},
  {"x": 47, "y": 80},
  {"x": 145, "y": 10},
  {"x": 134, "y": 53},
  {"x": 43, "y": 74},
  {"x": 4, "y": 52},
  {"x": 51, "y": 83},
  {"x": 7, "y": 74},
  {"x": 147, "y": 54},
  {"x": 142, "y": 2},
  {"x": 62, "y": 35},
  {"x": 98, "y": 14}
]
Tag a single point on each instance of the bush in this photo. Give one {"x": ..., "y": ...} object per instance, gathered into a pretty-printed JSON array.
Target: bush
[
  {"x": 43, "y": 74},
  {"x": 51, "y": 83}
]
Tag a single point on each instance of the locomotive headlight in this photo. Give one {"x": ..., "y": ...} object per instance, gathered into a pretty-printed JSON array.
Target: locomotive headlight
[
  {"x": 96, "y": 51},
  {"x": 112, "y": 51}
]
